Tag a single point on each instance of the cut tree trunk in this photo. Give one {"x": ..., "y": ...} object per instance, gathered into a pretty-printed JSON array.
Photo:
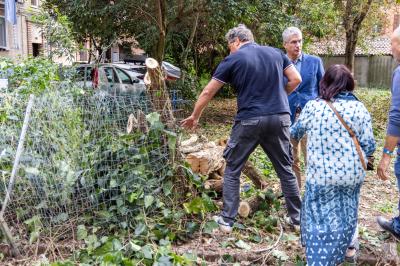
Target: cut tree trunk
[
  {"x": 254, "y": 175},
  {"x": 214, "y": 175},
  {"x": 214, "y": 184},
  {"x": 249, "y": 206},
  {"x": 158, "y": 93},
  {"x": 207, "y": 160}
]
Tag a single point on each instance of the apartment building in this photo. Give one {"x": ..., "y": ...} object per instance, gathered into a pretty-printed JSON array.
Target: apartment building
[{"x": 25, "y": 38}]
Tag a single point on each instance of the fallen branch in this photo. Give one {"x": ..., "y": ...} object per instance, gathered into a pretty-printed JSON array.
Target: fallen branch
[{"x": 275, "y": 244}]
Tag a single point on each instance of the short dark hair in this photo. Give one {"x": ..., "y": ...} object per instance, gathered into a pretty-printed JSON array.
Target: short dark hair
[{"x": 337, "y": 78}]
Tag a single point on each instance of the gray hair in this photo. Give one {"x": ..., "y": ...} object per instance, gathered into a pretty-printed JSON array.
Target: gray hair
[
  {"x": 289, "y": 32},
  {"x": 241, "y": 32}
]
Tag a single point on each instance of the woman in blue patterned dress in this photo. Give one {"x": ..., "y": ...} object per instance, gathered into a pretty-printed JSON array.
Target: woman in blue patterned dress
[{"x": 334, "y": 170}]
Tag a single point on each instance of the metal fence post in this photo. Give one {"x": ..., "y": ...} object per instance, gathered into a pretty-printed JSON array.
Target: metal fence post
[{"x": 3, "y": 223}]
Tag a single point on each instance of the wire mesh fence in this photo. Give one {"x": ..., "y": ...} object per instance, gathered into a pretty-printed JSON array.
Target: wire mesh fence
[{"x": 84, "y": 156}]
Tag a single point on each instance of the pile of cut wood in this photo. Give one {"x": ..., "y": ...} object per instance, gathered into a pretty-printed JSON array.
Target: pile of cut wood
[{"x": 206, "y": 158}]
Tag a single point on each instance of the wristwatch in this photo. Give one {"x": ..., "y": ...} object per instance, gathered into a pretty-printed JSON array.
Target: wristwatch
[{"x": 388, "y": 152}]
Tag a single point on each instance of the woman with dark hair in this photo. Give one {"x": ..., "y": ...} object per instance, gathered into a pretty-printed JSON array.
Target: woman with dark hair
[{"x": 335, "y": 169}]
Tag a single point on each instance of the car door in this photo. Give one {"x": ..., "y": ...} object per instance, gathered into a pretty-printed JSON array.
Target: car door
[
  {"x": 128, "y": 84},
  {"x": 113, "y": 85},
  {"x": 126, "y": 81}
]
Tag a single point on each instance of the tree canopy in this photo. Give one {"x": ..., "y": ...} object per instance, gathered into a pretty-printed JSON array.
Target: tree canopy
[{"x": 191, "y": 33}]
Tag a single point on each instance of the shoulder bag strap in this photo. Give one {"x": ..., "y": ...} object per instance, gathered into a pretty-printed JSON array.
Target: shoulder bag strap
[{"x": 351, "y": 132}]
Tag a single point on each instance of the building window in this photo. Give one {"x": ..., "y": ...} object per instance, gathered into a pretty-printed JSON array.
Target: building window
[
  {"x": 3, "y": 35},
  {"x": 35, "y": 3}
]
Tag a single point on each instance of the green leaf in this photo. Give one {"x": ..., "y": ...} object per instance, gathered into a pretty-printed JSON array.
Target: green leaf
[
  {"x": 243, "y": 245},
  {"x": 154, "y": 120},
  {"x": 195, "y": 206},
  {"x": 167, "y": 188},
  {"x": 280, "y": 255},
  {"x": 164, "y": 261},
  {"x": 33, "y": 236},
  {"x": 290, "y": 237},
  {"x": 227, "y": 258},
  {"x": 32, "y": 170},
  {"x": 62, "y": 217},
  {"x": 3, "y": 64},
  {"x": 134, "y": 196},
  {"x": 104, "y": 249},
  {"x": 191, "y": 227},
  {"x": 208, "y": 203},
  {"x": 148, "y": 201},
  {"x": 209, "y": 227},
  {"x": 172, "y": 136},
  {"x": 140, "y": 228},
  {"x": 164, "y": 242},
  {"x": 135, "y": 247},
  {"x": 113, "y": 183},
  {"x": 147, "y": 252}
]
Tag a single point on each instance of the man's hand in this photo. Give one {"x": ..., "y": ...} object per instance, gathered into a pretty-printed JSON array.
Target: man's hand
[
  {"x": 383, "y": 167},
  {"x": 190, "y": 122},
  {"x": 206, "y": 95}
]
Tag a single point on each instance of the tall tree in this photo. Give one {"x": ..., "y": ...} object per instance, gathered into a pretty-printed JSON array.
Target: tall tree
[
  {"x": 97, "y": 21},
  {"x": 353, "y": 14}
]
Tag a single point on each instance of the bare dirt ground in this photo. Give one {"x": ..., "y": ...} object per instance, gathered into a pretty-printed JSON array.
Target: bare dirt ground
[{"x": 282, "y": 246}]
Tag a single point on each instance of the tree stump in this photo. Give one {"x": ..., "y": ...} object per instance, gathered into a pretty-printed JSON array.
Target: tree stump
[{"x": 158, "y": 93}]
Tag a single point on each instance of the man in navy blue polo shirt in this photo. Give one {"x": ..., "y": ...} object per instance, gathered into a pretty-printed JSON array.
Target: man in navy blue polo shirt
[{"x": 263, "y": 117}]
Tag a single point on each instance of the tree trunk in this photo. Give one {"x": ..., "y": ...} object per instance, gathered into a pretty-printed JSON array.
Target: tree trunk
[
  {"x": 249, "y": 206},
  {"x": 189, "y": 43},
  {"x": 352, "y": 21},
  {"x": 159, "y": 96},
  {"x": 254, "y": 175},
  {"x": 162, "y": 28},
  {"x": 206, "y": 160},
  {"x": 351, "y": 43},
  {"x": 214, "y": 184}
]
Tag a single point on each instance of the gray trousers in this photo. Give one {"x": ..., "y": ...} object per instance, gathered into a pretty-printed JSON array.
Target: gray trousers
[{"x": 272, "y": 133}]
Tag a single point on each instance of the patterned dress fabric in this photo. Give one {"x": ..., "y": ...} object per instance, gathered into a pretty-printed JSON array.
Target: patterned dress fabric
[{"x": 334, "y": 176}]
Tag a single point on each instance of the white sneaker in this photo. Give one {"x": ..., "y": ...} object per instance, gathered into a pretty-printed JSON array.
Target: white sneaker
[{"x": 223, "y": 226}]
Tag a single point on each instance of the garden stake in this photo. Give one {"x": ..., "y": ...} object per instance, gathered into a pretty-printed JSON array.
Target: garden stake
[{"x": 3, "y": 223}]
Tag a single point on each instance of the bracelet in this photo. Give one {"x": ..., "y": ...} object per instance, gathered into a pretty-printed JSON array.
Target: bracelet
[{"x": 388, "y": 152}]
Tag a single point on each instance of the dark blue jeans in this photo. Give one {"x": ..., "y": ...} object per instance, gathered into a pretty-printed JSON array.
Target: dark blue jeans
[
  {"x": 396, "y": 220},
  {"x": 271, "y": 132}
]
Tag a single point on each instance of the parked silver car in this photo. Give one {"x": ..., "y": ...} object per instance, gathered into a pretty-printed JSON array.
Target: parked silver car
[{"x": 111, "y": 78}]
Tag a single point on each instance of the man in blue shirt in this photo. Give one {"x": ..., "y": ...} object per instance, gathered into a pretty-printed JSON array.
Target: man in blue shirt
[
  {"x": 262, "y": 118},
  {"x": 392, "y": 137},
  {"x": 311, "y": 70}
]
